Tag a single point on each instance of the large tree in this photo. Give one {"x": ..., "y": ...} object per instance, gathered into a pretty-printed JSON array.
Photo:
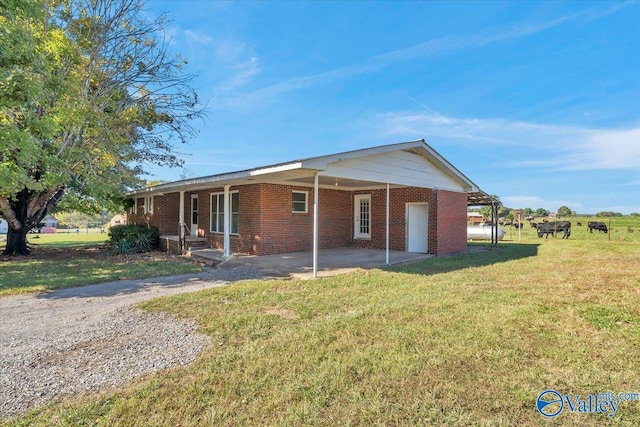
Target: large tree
[
  {"x": 564, "y": 211},
  {"x": 89, "y": 94}
]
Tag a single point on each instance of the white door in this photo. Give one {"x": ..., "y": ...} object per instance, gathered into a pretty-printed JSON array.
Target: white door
[
  {"x": 194, "y": 215},
  {"x": 362, "y": 216},
  {"x": 417, "y": 227}
]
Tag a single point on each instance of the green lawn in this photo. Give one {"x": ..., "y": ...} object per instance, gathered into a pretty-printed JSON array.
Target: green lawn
[
  {"x": 463, "y": 340},
  {"x": 63, "y": 260},
  {"x": 62, "y": 239}
]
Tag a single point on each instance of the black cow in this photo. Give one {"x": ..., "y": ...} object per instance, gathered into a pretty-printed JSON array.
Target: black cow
[
  {"x": 596, "y": 225},
  {"x": 547, "y": 228}
]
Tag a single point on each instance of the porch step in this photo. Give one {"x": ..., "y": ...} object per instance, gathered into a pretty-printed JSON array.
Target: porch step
[
  {"x": 197, "y": 243},
  {"x": 207, "y": 255}
]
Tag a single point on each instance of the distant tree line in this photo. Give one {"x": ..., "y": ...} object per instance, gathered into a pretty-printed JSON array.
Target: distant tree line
[{"x": 506, "y": 213}]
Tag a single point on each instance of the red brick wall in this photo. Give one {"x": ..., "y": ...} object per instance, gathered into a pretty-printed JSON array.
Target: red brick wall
[
  {"x": 166, "y": 213},
  {"x": 398, "y": 198},
  {"x": 335, "y": 219},
  {"x": 452, "y": 223},
  {"x": 268, "y": 225}
]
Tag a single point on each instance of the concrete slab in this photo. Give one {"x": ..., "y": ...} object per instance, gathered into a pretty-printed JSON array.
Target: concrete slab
[{"x": 300, "y": 264}]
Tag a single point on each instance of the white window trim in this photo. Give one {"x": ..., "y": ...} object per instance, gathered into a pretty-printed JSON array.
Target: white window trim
[
  {"x": 306, "y": 201},
  {"x": 148, "y": 205},
  {"x": 211, "y": 195}
]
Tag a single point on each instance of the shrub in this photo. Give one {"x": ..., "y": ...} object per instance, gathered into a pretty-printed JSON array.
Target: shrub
[{"x": 127, "y": 239}]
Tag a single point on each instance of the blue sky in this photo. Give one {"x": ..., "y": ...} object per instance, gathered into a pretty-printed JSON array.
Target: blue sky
[{"x": 537, "y": 102}]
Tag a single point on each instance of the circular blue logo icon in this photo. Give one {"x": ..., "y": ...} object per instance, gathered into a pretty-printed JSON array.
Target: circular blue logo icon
[{"x": 549, "y": 403}]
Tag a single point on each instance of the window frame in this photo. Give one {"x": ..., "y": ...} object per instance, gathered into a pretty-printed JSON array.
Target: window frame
[
  {"x": 220, "y": 196},
  {"x": 306, "y": 201},
  {"x": 148, "y": 204}
]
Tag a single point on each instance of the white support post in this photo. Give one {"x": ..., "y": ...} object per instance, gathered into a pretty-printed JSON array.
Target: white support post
[
  {"x": 181, "y": 216},
  {"x": 387, "y": 224},
  {"x": 181, "y": 223},
  {"x": 316, "y": 196},
  {"x": 227, "y": 222}
]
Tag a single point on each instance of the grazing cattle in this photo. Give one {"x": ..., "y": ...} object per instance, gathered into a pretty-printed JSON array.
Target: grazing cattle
[
  {"x": 517, "y": 225},
  {"x": 597, "y": 225},
  {"x": 630, "y": 230},
  {"x": 579, "y": 224},
  {"x": 533, "y": 225},
  {"x": 547, "y": 228}
]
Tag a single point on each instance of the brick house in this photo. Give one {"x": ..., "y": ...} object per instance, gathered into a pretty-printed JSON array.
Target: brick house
[{"x": 403, "y": 197}]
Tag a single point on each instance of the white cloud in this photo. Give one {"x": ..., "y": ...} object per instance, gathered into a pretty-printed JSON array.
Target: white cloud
[
  {"x": 197, "y": 37},
  {"x": 608, "y": 149},
  {"x": 552, "y": 146},
  {"x": 241, "y": 74},
  {"x": 235, "y": 62}
]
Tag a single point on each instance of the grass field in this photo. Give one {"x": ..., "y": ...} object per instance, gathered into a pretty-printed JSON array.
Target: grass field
[
  {"x": 463, "y": 340},
  {"x": 63, "y": 239},
  {"x": 619, "y": 230},
  {"x": 64, "y": 260}
]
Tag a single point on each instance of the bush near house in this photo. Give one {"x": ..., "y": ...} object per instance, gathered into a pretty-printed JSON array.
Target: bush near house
[{"x": 128, "y": 239}]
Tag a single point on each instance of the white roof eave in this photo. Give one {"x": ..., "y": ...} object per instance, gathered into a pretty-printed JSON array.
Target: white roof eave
[{"x": 320, "y": 163}]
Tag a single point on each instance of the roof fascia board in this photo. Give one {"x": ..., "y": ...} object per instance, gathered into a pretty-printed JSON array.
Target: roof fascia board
[{"x": 275, "y": 169}]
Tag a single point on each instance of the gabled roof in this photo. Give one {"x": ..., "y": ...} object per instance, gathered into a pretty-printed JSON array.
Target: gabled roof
[{"x": 298, "y": 172}]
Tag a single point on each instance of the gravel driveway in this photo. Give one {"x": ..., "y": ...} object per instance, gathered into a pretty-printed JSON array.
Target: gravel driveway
[{"x": 90, "y": 338}]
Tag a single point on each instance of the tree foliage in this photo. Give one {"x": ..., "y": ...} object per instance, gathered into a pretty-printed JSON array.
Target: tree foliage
[
  {"x": 564, "y": 211},
  {"x": 89, "y": 95},
  {"x": 541, "y": 213}
]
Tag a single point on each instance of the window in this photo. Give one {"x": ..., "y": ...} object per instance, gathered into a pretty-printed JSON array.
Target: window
[
  {"x": 217, "y": 213},
  {"x": 148, "y": 206},
  {"x": 299, "y": 201}
]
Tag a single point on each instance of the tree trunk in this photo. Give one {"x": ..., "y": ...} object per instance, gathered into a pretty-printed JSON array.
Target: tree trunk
[
  {"x": 17, "y": 242},
  {"x": 23, "y": 213}
]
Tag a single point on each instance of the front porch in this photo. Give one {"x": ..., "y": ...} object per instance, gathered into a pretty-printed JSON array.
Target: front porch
[{"x": 300, "y": 264}]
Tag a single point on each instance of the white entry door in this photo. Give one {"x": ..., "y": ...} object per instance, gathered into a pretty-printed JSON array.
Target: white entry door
[
  {"x": 362, "y": 216},
  {"x": 417, "y": 227},
  {"x": 194, "y": 215}
]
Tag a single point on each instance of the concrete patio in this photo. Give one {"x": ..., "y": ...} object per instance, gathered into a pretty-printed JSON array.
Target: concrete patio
[{"x": 299, "y": 264}]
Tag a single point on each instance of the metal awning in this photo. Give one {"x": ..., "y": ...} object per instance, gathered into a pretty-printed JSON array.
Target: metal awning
[{"x": 480, "y": 198}]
